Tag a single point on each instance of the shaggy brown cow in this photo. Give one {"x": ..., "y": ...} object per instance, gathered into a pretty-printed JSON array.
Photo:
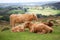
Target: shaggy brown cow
[
  {"x": 39, "y": 28},
  {"x": 19, "y": 18}
]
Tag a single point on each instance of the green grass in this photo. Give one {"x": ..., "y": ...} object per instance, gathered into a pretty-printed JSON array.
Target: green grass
[
  {"x": 46, "y": 11},
  {"x": 1, "y": 16},
  {"x": 15, "y": 11},
  {"x": 8, "y": 35}
]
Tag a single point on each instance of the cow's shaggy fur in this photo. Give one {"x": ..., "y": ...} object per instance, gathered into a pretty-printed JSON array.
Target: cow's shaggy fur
[
  {"x": 18, "y": 28},
  {"x": 39, "y": 28}
]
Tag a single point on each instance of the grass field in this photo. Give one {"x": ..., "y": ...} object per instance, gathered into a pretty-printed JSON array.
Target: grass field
[
  {"x": 8, "y": 35},
  {"x": 46, "y": 11}
]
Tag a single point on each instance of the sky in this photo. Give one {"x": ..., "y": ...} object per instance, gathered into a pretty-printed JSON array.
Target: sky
[{"x": 25, "y": 1}]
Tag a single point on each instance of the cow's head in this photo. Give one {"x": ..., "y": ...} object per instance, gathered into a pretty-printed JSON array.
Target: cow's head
[
  {"x": 49, "y": 23},
  {"x": 35, "y": 17},
  {"x": 28, "y": 24}
]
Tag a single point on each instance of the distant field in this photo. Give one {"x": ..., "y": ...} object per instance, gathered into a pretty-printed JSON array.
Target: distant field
[{"x": 46, "y": 11}]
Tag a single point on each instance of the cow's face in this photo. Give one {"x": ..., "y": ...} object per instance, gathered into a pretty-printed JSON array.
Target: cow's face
[
  {"x": 35, "y": 17},
  {"x": 28, "y": 24},
  {"x": 50, "y": 23}
]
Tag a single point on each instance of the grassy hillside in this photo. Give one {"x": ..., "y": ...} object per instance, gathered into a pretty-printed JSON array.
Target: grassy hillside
[
  {"x": 8, "y": 35},
  {"x": 15, "y": 11}
]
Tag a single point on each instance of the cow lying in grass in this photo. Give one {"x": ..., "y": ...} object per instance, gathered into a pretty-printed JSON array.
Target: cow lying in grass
[
  {"x": 19, "y": 28},
  {"x": 20, "y": 18},
  {"x": 39, "y": 28}
]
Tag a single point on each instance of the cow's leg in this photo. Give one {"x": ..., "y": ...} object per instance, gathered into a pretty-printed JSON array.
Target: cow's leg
[
  {"x": 12, "y": 22},
  {"x": 32, "y": 30}
]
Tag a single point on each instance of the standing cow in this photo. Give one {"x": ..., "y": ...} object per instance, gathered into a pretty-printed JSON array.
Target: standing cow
[{"x": 19, "y": 18}]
